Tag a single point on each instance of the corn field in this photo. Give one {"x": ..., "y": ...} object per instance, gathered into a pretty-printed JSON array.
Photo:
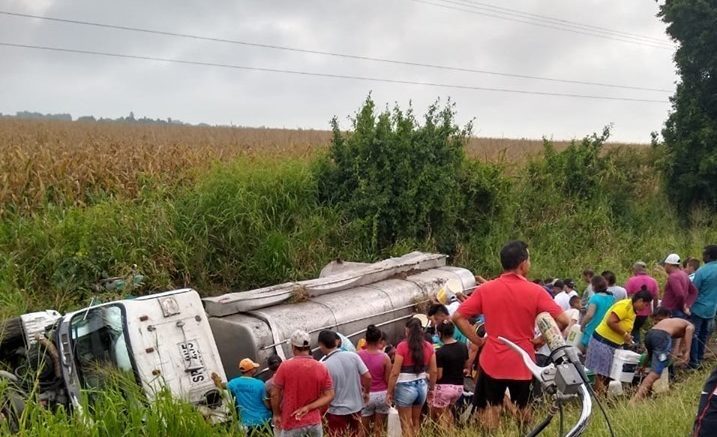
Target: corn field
[
  {"x": 62, "y": 163},
  {"x": 75, "y": 164}
]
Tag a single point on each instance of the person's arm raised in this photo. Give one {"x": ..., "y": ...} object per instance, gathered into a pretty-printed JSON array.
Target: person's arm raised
[{"x": 217, "y": 380}]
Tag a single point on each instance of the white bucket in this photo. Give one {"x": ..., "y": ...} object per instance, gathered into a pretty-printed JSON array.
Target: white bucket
[
  {"x": 614, "y": 389},
  {"x": 624, "y": 365}
]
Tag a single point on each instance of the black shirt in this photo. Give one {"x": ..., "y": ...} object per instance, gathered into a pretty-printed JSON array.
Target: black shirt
[{"x": 452, "y": 359}]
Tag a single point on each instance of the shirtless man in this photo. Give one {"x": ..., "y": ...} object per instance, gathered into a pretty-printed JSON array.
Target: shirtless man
[{"x": 667, "y": 335}]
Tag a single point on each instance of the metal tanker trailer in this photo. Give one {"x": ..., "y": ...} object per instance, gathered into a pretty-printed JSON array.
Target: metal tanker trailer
[
  {"x": 346, "y": 297},
  {"x": 175, "y": 340}
]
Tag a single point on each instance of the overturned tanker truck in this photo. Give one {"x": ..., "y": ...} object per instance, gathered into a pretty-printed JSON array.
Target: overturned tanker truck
[{"x": 175, "y": 340}]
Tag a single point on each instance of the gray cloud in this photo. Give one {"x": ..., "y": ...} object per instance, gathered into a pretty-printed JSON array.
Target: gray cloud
[{"x": 397, "y": 29}]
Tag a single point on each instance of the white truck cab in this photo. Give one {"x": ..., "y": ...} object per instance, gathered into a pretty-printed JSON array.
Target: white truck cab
[
  {"x": 163, "y": 339},
  {"x": 175, "y": 340}
]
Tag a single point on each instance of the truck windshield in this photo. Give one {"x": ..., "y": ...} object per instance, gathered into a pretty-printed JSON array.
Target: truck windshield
[{"x": 99, "y": 346}]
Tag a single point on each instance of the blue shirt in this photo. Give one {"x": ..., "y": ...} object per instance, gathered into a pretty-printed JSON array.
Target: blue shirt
[
  {"x": 706, "y": 282},
  {"x": 249, "y": 394},
  {"x": 602, "y": 302}
]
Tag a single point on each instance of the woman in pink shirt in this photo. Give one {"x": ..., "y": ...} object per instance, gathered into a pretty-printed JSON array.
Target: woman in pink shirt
[{"x": 379, "y": 366}]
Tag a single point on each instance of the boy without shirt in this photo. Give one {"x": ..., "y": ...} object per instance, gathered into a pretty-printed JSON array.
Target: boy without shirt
[{"x": 667, "y": 335}]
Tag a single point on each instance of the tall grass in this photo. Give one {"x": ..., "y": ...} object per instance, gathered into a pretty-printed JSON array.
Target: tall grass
[
  {"x": 254, "y": 221},
  {"x": 120, "y": 409},
  {"x": 245, "y": 224}
]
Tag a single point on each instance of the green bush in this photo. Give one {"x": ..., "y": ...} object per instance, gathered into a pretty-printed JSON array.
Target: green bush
[{"x": 398, "y": 180}]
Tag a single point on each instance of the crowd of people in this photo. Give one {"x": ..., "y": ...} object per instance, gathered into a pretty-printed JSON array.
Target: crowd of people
[{"x": 351, "y": 390}]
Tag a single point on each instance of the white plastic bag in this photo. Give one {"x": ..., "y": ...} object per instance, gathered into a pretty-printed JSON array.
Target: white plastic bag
[
  {"x": 614, "y": 389},
  {"x": 394, "y": 423}
]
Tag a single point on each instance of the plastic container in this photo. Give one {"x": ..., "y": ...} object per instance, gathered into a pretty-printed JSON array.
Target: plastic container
[
  {"x": 624, "y": 365},
  {"x": 591, "y": 376},
  {"x": 575, "y": 335},
  {"x": 614, "y": 388},
  {"x": 394, "y": 423}
]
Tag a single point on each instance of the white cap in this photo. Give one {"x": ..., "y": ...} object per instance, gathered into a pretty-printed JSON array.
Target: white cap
[
  {"x": 672, "y": 259},
  {"x": 300, "y": 338}
]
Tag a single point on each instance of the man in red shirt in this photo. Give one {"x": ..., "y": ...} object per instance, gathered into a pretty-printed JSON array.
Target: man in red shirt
[
  {"x": 301, "y": 388},
  {"x": 509, "y": 305},
  {"x": 680, "y": 293}
]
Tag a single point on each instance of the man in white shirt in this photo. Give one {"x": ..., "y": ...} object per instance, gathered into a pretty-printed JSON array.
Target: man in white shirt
[{"x": 563, "y": 298}]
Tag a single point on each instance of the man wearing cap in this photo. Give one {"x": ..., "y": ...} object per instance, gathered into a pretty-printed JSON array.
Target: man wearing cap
[
  {"x": 301, "y": 388},
  {"x": 639, "y": 280},
  {"x": 250, "y": 398},
  {"x": 680, "y": 293}
]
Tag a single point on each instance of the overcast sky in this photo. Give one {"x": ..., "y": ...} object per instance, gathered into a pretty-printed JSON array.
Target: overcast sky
[{"x": 395, "y": 29}]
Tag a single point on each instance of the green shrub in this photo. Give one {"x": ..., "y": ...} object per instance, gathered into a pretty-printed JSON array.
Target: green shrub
[{"x": 398, "y": 180}]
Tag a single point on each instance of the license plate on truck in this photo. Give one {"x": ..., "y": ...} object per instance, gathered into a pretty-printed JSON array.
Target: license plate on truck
[{"x": 193, "y": 356}]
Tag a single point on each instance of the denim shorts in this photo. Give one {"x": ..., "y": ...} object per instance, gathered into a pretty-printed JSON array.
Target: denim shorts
[
  {"x": 659, "y": 345},
  {"x": 411, "y": 393}
]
